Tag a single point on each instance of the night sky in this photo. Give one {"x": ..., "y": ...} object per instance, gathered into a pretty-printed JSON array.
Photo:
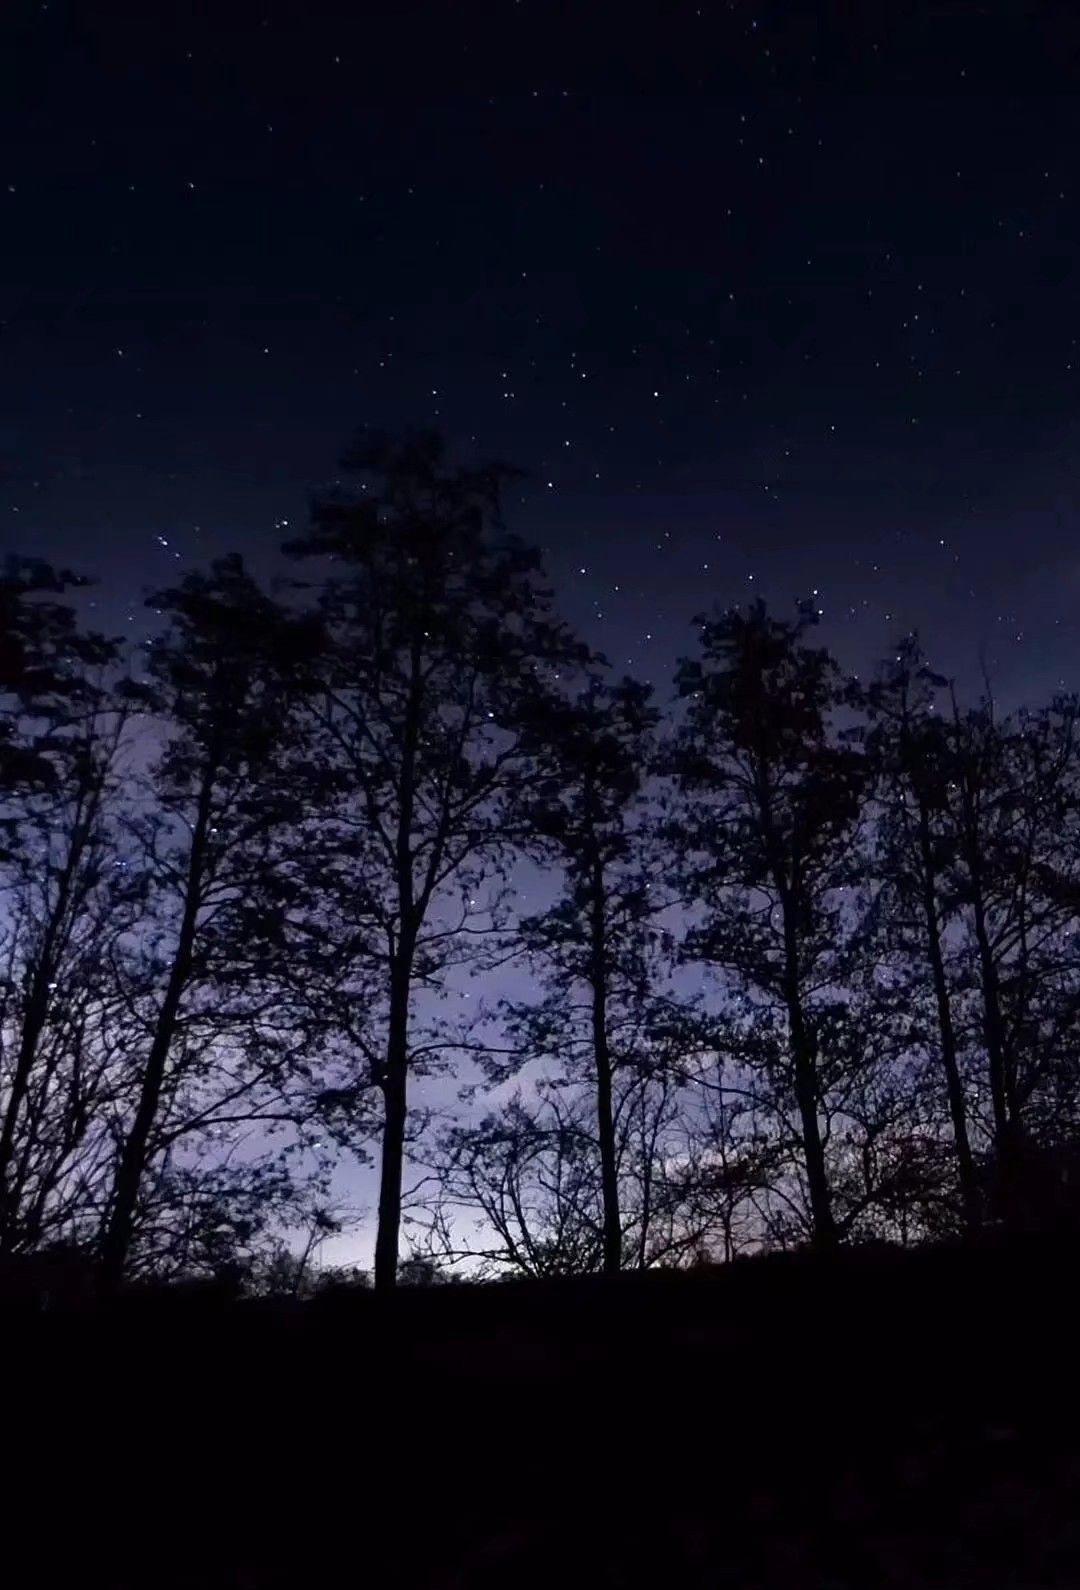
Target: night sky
[{"x": 766, "y": 298}]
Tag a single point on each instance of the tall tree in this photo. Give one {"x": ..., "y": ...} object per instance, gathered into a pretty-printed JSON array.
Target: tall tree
[
  {"x": 1012, "y": 793},
  {"x": 771, "y": 799},
  {"x": 60, "y": 728},
  {"x": 1041, "y": 985},
  {"x": 226, "y": 678},
  {"x": 69, "y": 896},
  {"x": 441, "y": 636},
  {"x": 910, "y": 753},
  {"x": 593, "y": 948}
]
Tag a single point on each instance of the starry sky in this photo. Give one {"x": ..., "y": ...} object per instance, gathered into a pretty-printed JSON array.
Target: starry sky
[{"x": 765, "y": 297}]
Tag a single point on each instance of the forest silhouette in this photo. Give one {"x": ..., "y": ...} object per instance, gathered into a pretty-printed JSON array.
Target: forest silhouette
[{"x": 768, "y": 1114}]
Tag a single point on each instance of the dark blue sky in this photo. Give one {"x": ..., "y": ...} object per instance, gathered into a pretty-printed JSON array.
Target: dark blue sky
[{"x": 765, "y": 290}]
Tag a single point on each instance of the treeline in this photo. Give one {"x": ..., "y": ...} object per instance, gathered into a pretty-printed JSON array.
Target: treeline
[{"x": 801, "y": 958}]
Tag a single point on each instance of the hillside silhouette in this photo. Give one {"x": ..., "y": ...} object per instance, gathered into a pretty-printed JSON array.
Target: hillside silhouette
[{"x": 872, "y": 1417}]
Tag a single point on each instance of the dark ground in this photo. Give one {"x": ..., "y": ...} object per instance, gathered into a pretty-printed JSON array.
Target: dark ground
[{"x": 877, "y": 1420}]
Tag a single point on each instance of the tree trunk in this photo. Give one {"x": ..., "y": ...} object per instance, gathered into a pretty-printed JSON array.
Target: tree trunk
[
  {"x": 806, "y": 1095},
  {"x": 598, "y": 980},
  {"x": 395, "y": 1077},
  {"x": 33, "y": 1023},
  {"x": 817, "y": 1180},
  {"x": 120, "y": 1227},
  {"x": 969, "y": 1189},
  {"x": 992, "y": 1025},
  {"x": 605, "y": 1124},
  {"x": 1002, "y": 1096},
  {"x": 395, "y": 1114}
]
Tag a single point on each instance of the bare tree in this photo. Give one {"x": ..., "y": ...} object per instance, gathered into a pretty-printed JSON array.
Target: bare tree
[
  {"x": 211, "y": 1048},
  {"x": 439, "y": 633},
  {"x": 771, "y": 800},
  {"x": 66, "y": 715},
  {"x": 1011, "y": 802},
  {"x": 593, "y": 950},
  {"x": 908, "y": 746},
  {"x": 69, "y": 896}
]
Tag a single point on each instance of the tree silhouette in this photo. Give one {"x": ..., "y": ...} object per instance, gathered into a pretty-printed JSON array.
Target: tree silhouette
[
  {"x": 592, "y": 948},
  {"x": 66, "y": 710},
  {"x": 908, "y": 746},
  {"x": 69, "y": 896},
  {"x": 439, "y": 637},
  {"x": 1012, "y": 794},
  {"x": 225, "y": 680},
  {"x": 771, "y": 800}
]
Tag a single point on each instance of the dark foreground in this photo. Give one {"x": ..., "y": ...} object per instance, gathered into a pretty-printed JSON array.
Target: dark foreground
[{"x": 880, "y": 1420}]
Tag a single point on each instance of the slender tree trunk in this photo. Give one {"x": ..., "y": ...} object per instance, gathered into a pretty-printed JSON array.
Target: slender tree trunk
[
  {"x": 806, "y": 1094},
  {"x": 993, "y": 1024},
  {"x": 824, "y": 1225},
  {"x": 395, "y": 1114},
  {"x": 609, "y": 1178},
  {"x": 648, "y": 1160},
  {"x": 805, "y": 1064},
  {"x": 1002, "y": 1098},
  {"x": 817, "y": 1179},
  {"x": 598, "y": 981},
  {"x": 120, "y": 1226},
  {"x": 34, "y": 1017},
  {"x": 395, "y": 1078},
  {"x": 969, "y": 1189},
  {"x": 605, "y": 1117}
]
